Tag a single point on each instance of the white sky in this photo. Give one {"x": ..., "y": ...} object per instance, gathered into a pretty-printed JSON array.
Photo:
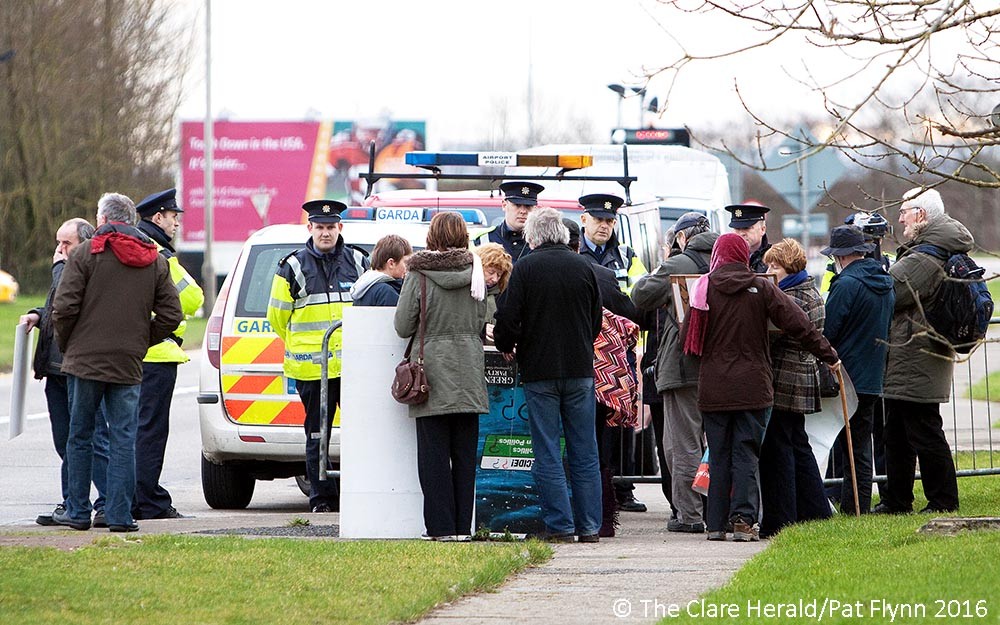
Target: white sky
[{"x": 458, "y": 63}]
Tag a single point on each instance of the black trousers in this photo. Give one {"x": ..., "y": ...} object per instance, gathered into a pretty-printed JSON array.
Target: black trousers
[
  {"x": 158, "y": 379},
  {"x": 446, "y": 466},
  {"x": 320, "y": 492},
  {"x": 734, "y": 439},
  {"x": 862, "y": 422},
  {"x": 915, "y": 431},
  {"x": 790, "y": 484}
]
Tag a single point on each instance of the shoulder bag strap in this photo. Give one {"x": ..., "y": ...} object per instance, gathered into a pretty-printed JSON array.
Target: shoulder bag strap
[{"x": 423, "y": 316}]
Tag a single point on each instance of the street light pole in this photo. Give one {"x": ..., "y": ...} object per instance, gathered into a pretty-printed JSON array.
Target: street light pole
[
  {"x": 208, "y": 268},
  {"x": 620, "y": 90}
]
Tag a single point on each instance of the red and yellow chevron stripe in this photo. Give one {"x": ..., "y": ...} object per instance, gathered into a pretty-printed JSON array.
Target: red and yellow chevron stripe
[{"x": 252, "y": 350}]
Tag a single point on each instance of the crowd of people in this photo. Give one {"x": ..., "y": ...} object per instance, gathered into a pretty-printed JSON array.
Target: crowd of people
[{"x": 734, "y": 368}]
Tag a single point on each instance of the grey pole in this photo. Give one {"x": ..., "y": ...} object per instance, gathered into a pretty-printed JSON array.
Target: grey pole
[{"x": 207, "y": 268}]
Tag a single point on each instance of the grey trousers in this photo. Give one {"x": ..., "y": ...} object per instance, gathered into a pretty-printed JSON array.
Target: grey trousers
[{"x": 682, "y": 449}]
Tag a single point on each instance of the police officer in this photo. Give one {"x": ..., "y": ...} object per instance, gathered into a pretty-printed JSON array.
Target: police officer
[
  {"x": 518, "y": 200},
  {"x": 308, "y": 293},
  {"x": 600, "y": 243},
  {"x": 159, "y": 218},
  {"x": 748, "y": 222}
]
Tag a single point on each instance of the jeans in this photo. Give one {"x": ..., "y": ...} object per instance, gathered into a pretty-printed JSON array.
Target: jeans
[
  {"x": 567, "y": 404},
  {"x": 120, "y": 401},
  {"x": 326, "y": 491},
  {"x": 57, "y": 399}
]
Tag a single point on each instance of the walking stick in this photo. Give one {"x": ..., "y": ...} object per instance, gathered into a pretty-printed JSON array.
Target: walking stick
[{"x": 850, "y": 446}]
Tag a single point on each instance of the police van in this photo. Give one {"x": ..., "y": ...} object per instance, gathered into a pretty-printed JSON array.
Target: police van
[{"x": 250, "y": 414}]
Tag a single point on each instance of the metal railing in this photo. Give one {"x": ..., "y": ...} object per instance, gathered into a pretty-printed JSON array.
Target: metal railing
[{"x": 324, "y": 407}]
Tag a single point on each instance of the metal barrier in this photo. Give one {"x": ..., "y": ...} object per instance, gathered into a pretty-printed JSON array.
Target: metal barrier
[
  {"x": 970, "y": 429},
  {"x": 324, "y": 406}
]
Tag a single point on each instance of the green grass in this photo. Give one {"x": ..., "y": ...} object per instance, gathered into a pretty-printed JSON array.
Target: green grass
[
  {"x": 874, "y": 558},
  {"x": 10, "y": 312},
  {"x": 169, "y": 579},
  {"x": 979, "y": 389}
]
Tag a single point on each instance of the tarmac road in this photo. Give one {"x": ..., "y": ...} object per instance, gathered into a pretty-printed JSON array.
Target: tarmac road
[{"x": 29, "y": 466}]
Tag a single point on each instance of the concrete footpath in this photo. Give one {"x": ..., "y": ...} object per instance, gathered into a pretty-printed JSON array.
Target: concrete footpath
[
  {"x": 631, "y": 578},
  {"x": 626, "y": 579}
]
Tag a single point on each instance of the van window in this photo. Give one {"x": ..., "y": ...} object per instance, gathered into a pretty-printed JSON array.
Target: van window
[{"x": 255, "y": 290}]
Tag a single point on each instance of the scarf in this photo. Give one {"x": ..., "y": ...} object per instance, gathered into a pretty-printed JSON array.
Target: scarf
[
  {"x": 794, "y": 279},
  {"x": 729, "y": 248},
  {"x": 478, "y": 287},
  {"x": 614, "y": 384}
]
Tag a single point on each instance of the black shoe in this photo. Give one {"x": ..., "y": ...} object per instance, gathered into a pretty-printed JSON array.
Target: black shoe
[
  {"x": 322, "y": 507},
  {"x": 883, "y": 508},
  {"x": 632, "y": 505},
  {"x": 131, "y": 527},
  {"x": 46, "y": 519},
  {"x": 588, "y": 538},
  {"x": 61, "y": 518},
  {"x": 99, "y": 520},
  {"x": 929, "y": 509},
  {"x": 169, "y": 513},
  {"x": 673, "y": 525},
  {"x": 551, "y": 538}
]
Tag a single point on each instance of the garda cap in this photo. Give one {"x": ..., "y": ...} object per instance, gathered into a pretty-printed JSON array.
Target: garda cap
[
  {"x": 523, "y": 193},
  {"x": 746, "y": 215},
  {"x": 324, "y": 211},
  {"x": 601, "y": 205},
  {"x": 157, "y": 202}
]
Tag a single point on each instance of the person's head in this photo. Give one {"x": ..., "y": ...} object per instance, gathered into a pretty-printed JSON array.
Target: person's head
[
  {"x": 389, "y": 255},
  {"x": 497, "y": 264},
  {"x": 324, "y": 223},
  {"x": 786, "y": 258},
  {"x": 161, "y": 209},
  {"x": 919, "y": 206},
  {"x": 748, "y": 221},
  {"x": 688, "y": 226},
  {"x": 600, "y": 213},
  {"x": 71, "y": 234},
  {"x": 115, "y": 208},
  {"x": 730, "y": 248},
  {"x": 447, "y": 231},
  {"x": 847, "y": 244},
  {"x": 545, "y": 226},
  {"x": 519, "y": 199},
  {"x": 574, "y": 234}
]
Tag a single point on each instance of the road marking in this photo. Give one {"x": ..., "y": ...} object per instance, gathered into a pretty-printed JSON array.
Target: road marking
[{"x": 184, "y": 390}]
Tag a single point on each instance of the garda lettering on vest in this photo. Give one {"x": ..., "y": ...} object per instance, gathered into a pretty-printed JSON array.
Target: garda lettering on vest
[{"x": 252, "y": 326}]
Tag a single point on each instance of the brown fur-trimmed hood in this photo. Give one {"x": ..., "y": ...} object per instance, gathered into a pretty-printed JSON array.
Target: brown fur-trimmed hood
[{"x": 451, "y": 269}]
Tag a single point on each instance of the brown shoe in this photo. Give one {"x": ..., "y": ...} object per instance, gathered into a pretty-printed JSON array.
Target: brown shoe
[
  {"x": 745, "y": 533},
  {"x": 717, "y": 536}
]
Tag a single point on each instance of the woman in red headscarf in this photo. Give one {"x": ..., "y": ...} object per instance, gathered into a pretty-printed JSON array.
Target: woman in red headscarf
[{"x": 730, "y": 310}]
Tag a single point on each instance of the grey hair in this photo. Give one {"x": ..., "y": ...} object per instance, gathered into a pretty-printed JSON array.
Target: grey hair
[
  {"x": 929, "y": 200},
  {"x": 117, "y": 207},
  {"x": 545, "y": 225},
  {"x": 84, "y": 229}
]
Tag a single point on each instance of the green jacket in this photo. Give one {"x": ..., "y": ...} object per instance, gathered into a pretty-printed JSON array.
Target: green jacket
[
  {"x": 919, "y": 368},
  {"x": 453, "y": 349}
]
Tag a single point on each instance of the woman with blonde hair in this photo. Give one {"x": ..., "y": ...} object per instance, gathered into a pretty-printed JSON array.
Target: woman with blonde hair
[
  {"x": 450, "y": 279},
  {"x": 790, "y": 483},
  {"x": 497, "y": 265}
]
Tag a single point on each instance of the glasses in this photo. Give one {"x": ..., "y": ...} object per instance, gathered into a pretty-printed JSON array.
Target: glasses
[{"x": 908, "y": 208}]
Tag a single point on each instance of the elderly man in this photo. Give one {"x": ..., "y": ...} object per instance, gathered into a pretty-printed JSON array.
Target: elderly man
[
  {"x": 115, "y": 299},
  {"x": 919, "y": 371},
  {"x": 858, "y": 312},
  {"x": 552, "y": 314},
  {"x": 676, "y": 372},
  {"x": 48, "y": 365},
  {"x": 519, "y": 199}
]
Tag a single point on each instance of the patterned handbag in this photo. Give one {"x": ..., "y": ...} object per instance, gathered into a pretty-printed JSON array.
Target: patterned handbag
[{"x": 410, "y": 384}]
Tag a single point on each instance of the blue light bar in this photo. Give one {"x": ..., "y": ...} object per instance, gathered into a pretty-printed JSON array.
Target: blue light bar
[
  {"x": 469, "y": 215},
  {"x": 497, "y": 159}
]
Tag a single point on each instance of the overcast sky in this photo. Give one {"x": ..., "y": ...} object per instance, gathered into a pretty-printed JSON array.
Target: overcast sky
[{"x": 461, "y": 65}]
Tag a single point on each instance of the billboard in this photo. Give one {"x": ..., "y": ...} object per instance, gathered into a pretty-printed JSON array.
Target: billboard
[{"x": 264, "y": 171}]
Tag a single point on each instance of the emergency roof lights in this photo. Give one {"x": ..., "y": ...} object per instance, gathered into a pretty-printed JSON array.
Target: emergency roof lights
[{"x": 497, "y": 159}]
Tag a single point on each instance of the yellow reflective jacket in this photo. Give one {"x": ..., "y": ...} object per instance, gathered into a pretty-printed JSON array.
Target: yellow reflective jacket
[
  {"x": 191, "y": 296},
  {"x": 308, "y": 293}
]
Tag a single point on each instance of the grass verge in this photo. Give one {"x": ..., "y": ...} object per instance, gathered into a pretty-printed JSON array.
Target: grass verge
[
  {"x": 10, "y": 312},
  {"x": 170, "y": 579},
  {"x": 871, "y": 566}
]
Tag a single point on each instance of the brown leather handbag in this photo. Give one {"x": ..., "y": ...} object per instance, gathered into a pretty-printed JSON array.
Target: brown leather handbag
[{"x": 410, "y": 384}]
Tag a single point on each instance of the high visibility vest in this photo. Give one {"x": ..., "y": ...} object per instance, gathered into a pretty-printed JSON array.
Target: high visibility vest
[
  {"x": 621, "y": 259},
  {"x": 192, "y": 297},
  {"x": 308, "y": 294}
]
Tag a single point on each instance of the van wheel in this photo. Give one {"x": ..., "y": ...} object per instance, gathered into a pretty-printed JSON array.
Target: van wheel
[
  {"x": 303, "y": 483},
  {"x": 225, "y": 487}
]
